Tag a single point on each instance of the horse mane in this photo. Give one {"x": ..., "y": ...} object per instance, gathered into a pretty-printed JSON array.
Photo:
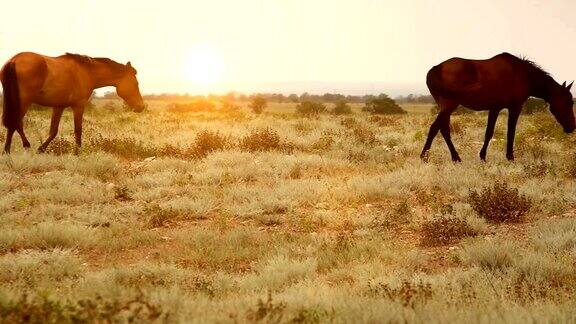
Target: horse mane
[
  {"x": 87, "y": 60},
  {"x": 533, "y": 66}
]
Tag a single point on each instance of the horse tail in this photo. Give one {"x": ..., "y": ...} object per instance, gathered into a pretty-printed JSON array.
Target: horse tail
[{"x": 11, "y": 115}]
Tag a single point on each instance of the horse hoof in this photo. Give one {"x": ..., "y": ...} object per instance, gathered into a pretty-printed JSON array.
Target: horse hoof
[
  {"x": 424, "y": 157},
  {"x": 456, "y": 159}
]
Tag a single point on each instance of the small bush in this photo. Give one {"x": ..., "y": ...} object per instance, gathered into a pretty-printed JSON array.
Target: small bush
[
  {"x": 534, "y": 105},
  {"x": 310, "y": 109},
  {"x": 342, "y": 108},
  {"x": 128, "y": 147},
  {"x": 158, "y": 216},
  {"x": 499, "y": 203},
  {"x": 364, "y": 135},
  {"x": 445, "y": 230},
  {"x": 258, "y": 104},
  {"x": 61, "y": 146},
  {"x": 207, "y": 142},
  {"x": 262, "y": 139},
  {"x": 383, "y": 105}
]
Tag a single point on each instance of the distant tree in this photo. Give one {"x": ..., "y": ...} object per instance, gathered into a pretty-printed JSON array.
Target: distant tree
[
  {"x": 383, "y": 105},
  {"x": 293, "y": 98},
  {"x": 258, "y": 104},
  {"x": 342, "y": 108}
]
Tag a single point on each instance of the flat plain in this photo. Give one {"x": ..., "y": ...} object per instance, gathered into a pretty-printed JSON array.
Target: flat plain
[{"x": 230, "y": 216}]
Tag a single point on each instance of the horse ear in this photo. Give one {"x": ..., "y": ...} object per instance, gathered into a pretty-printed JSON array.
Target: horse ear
[
  {"x": 570, "y": 85},
  {"x": 563, "y": 84},
  {"x": 130, "y": 65}
]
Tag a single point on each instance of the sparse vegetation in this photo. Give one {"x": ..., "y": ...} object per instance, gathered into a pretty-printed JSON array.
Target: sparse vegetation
[{"x": 186, "y": 214}]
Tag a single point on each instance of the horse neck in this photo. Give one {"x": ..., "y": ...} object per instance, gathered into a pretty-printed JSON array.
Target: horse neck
[
  {"x": 104, "y": 75},
  {"x": 542, "y": 85}
]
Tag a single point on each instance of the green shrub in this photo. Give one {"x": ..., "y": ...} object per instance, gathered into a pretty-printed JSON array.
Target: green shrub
[
  {"x": 383, "y": 105},
  {"x": 499, "y": 203},
  {"x": 342, "y": 108},
  {"x": 310, "y": 109}
]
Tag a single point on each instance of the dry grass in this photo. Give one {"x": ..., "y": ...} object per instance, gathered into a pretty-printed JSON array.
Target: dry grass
[{"x": 188, "y": 213}]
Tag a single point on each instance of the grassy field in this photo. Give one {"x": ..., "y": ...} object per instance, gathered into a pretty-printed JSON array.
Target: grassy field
[{"x": 228, "y": 216}]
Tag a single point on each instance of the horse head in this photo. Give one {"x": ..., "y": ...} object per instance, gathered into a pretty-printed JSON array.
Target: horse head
[
  {"x": 561, "y": 106},
  {"x": 127, "y": 89}
]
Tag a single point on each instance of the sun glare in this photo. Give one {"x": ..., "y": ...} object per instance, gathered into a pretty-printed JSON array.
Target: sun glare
[{"x": 204, "y": 65}]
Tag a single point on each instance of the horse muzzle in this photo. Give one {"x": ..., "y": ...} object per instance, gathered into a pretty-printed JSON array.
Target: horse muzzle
[{"x": 138, "y": 108}]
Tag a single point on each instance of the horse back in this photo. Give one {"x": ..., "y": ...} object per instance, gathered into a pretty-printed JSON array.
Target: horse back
[{"x": 479, "y": 84}]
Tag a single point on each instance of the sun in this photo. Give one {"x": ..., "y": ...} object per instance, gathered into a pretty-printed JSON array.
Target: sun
[{"x": 204, "y": 65}]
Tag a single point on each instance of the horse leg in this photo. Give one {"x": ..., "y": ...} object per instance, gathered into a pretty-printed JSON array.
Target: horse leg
[
  {"x": 513, "y": 114},
  {"x": 78, "y": 113},
  {"x": 25, "y": 141},
  {"x": 56, "y": 115},
  {"x": 445, "y": 130},
  {"x": 446, "y": 108},
  {"x": 492, "y": 117},
  {"x": 434, "y": 128},
  {"x": 8, "y": 143}
]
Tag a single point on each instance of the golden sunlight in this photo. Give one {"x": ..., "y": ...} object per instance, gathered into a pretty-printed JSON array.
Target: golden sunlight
[{"x": 204, "y": 65}]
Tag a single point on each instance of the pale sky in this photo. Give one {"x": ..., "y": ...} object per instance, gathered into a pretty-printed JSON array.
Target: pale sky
[{"x": 287, "y": 45}]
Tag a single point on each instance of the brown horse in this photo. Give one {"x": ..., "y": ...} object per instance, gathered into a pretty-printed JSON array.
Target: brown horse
[
  {"x": 60, "y": 82},
  {"x": 503, "y": 81}
]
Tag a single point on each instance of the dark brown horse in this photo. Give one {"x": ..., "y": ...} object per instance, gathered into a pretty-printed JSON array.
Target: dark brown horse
[
  {"x": 504, "y": 81},
  {"x": 60, "y": 82}
]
